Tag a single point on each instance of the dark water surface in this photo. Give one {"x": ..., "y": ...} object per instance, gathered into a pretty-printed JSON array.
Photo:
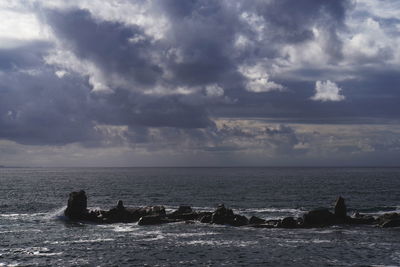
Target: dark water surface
[{"x": 33, "y": 231}]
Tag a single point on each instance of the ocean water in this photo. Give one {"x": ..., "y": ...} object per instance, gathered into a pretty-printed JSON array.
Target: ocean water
[{"x": 33, "y": 231}]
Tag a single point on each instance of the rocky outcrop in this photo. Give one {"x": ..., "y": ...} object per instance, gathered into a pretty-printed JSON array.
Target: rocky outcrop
[
  {"x": 319, "y": 218},
  {"x": 77, "y": 211},
  {"x": 256, "y": 220},
  {"x": 77, "y": 206},
  {"x": 223, "y": 215},
  {"x": 184, "y": 213},
  {"x": 153, "y": 219},
  {"x": 288, "y": 222},
  {"x": 361, "y": 219},
  {"x": 340, "y": 209}
]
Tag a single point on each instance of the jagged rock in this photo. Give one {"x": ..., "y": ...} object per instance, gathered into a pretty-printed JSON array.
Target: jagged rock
[
  {"x": 120, "y": 205},
  {"x": 256, "y": 220},
  {"x": 288, "y": 222},
  {"x": 77, "y": 210},
  {"x": 77, "y": 206},
  {"x": 183, "y": 213},
  {"x": 222, "y": 215},
  {"x": 239, "y": 220},
  {"x": 205, "y": 217},
  {"x": 152, "y": 219},
  {"x": 319, "y": 217},
  {"x": 153, "y": 210},
  {"x": 340, "y": 208}
]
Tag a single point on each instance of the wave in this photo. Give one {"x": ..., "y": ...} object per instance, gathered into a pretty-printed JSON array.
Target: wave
[{"x": 379, "y": 210}]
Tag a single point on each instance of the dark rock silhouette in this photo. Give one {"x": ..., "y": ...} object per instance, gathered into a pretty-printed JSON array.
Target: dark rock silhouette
[
  {"x": 205, "y": 217},
  {"x": 77, "y": 206},
  {"x": 340, "y": 209},
  {"x": 222, "y": 215},
  {"x": 319, "y": 218},
  {"x": 360, "y": 219},
  {"x": 288, "y": 222},
  {"x": 150, "y": 215},
  {"x": 391, "y": 223},
  {"x": 184, "y": 213},
  {"x": 256, "y": 220},
  {"x": 389, "y": 220},
  {"x": 153, "y": 219}
]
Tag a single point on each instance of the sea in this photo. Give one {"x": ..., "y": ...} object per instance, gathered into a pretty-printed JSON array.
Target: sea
[{"x": 34, "y": 231}]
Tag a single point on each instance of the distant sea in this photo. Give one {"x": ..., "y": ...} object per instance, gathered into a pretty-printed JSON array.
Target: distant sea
[{"x": 34, "y": 232}]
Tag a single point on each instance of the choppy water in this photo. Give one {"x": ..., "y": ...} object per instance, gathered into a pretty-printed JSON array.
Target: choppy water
[{"x": 33, "y": 231}]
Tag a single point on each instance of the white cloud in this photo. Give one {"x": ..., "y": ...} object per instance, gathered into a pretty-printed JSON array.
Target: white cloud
[
  {"x": 327, "y": 91},
  {"x": 258, "y": 79},
  {"x": 214, "y": 90}
]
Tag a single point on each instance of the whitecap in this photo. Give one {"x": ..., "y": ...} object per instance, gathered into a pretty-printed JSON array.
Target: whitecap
[
  {"x": 57, "y": 214},
  {"x": 215, "y": 243},
  {"x": 78, "y": 241}
]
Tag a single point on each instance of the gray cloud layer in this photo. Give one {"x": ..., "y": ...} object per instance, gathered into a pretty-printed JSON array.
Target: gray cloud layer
[{"x": 150, "y": 73}]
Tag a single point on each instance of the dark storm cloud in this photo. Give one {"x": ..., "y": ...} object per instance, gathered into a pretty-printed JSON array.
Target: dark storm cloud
[
  {"x": 27, "y": 55},
  {"x": 41, "y": 109},
  {"x": 129, "y": 108},
  {"x": 293, "y": 20},
  {"x": 112, "y": 46}
]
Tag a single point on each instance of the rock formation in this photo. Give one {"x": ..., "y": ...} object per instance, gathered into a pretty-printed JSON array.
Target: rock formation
[{"x": 77, "y": 211}]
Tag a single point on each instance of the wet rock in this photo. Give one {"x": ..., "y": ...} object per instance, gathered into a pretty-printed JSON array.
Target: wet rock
[
  {"x": 389, "y": 220},
  {"x": 183, "y": 210},
  {"x": 152, "y": 219},
  {"x": 119, "y": 214},
  {"x": 239, "y": 220},
  {"x": 205, "y": 217},
  {"x": 391, "y": 223},
  {"x": 340, "y": 208},
  {"x": 288, "y": 222},
  {"x": 183, "y": 213},
  {"x": 360, "y": 219},
  {"x": 388, "y": 217},
  {"x": 153, "y": 210},
  {"x": 222, "y": 215},
  {"x": 77, "y": 206},
  {"x": 120, "y": 205},
  {"x": 256, "y": 220},
  {"x": 318, "y": 218}
]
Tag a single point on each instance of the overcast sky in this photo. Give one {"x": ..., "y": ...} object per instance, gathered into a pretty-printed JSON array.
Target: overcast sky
[{"x": 200, "y": 83}]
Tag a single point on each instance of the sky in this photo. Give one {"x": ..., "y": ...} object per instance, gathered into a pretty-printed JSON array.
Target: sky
[{"x": 200, "y": 83}]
